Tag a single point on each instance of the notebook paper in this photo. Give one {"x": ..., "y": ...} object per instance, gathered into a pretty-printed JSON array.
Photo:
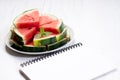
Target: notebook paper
[{"x": 79, "y": 63}]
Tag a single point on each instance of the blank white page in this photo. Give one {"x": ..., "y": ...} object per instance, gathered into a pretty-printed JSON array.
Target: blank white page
[{"x": 79, "y": 63}]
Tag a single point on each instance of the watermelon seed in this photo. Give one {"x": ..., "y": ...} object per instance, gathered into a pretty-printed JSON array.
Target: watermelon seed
[
  {"x": 29, "y": 28},
  {"x": 29, "y": 17}
]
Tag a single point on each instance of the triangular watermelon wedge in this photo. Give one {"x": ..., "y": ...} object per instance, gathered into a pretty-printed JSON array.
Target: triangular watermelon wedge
[
  {"x": 46, "y": 18},
  {"x": 28, "y": 18},
  {"x": 55, "y": 26},
  {"x": 23, "y": 35},
  {"x": 47, "y": 38}
]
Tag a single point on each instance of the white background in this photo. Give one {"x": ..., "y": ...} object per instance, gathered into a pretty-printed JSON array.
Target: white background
[{"x": 95, "y": 23}]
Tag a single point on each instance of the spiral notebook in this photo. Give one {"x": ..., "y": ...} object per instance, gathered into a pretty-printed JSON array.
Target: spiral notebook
[{"x": 70, "y": 63}]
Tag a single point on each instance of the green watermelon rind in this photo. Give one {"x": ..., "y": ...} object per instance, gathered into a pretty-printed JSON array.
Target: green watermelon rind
[
  {"x": 60, "y": 26},
  {"x": 15, "y": 45},
  {"x": 68, "y": 35},
  {"x": 27, "y": 48},
  {"x": 57, "y": 44},
  {"x": 61, "y": 35},
  {"x": 19, "y": 39},
  {"x": 33, "y": 48},
  {"x": 44, "y": 41}
]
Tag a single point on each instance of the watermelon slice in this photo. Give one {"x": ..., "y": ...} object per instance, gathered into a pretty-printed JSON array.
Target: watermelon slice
[
  {"x": 31, "y": 48},
  {"x": 28, "y": 18},
  {"x": 23, "y": 35},
  {"x": 28, "y": 47},
  {"x": 48, "y": 38},
  {"x": 57, "y": 44},
  {"x": 55, "y": 26},
  {"x": 15, "y": 45},
  {"x": 68, "y": 35},
  {"x": 46, "y": 18},
  {"x": 62, "y": 35}
]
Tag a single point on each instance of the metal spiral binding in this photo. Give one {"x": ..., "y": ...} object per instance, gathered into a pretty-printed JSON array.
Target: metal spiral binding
[{"x": 44, "y": 56}]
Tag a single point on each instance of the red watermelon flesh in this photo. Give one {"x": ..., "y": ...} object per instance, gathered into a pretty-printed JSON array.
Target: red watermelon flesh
[
  {"x": 28, "y": 19},
  {"x": 45, "y": 19},
  {"x": 52, "y": 27},
  {"x": 27, "y": 33}
]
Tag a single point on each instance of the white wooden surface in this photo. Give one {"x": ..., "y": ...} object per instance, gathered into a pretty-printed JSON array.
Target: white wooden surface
[{"x": 96, "y": 23}]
